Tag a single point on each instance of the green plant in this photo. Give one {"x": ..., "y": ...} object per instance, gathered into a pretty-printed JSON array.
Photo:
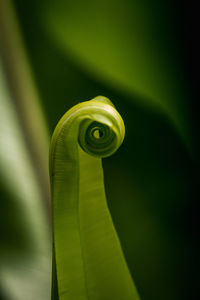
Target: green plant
[
  {"x": 88, "y": 260},
  {"x": 136, "y": 52}
]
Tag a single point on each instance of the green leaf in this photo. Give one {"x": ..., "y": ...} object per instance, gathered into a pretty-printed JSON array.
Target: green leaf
[
  {"x": 25, "y": 242},
  {"x": 89, "y": 263},
  {"x": 130, "y": 46}
]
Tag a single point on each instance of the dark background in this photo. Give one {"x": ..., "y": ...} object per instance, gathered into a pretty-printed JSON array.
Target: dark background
[{"x": 152, "y": 181}]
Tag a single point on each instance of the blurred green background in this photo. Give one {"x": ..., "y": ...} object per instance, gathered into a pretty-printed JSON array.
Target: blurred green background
[{"x": 135, "y": 53}]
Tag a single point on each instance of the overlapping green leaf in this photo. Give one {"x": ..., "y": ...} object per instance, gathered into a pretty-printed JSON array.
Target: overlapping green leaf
[
  {"x": 25, "y": 260},
  {"x": 129, "y": 45},
  {"x": 25, "y": 248}
]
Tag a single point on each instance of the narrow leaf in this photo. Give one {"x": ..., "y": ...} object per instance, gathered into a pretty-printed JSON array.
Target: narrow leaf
[{"x": 89, "y": 262}]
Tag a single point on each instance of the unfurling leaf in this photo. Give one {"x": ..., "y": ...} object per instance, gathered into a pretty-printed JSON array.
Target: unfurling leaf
[{"x": 88, "y": 259}]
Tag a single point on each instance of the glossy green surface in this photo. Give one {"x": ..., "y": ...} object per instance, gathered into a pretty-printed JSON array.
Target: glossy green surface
[{"x": 89, "y": 262}]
